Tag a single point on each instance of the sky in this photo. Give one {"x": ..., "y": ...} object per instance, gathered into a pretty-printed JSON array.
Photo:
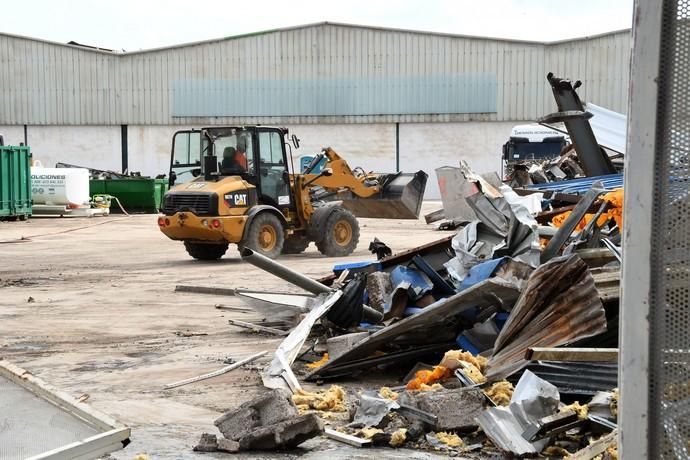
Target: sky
[{"x": 141, "y": 24}]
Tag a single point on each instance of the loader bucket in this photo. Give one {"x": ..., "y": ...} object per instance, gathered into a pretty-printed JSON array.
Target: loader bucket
[{"x": 400, "y": 198}]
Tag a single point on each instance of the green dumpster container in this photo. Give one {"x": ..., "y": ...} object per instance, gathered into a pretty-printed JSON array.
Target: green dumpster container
[
  {"x": 135, "y": 195},
  {"x": 15, "y": 182}
]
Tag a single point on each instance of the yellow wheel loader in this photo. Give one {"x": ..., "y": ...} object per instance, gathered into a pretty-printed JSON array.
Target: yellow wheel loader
[{"x": 238, "y": 185}]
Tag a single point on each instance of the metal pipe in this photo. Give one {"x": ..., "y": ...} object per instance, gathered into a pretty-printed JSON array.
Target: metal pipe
[
  {"x": 298, "y": 279},
  {"x": 371, "y": 315},
  {"x": 282, "y": 272}
]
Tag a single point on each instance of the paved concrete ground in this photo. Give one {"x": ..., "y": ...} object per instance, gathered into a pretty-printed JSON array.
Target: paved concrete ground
[{"x": 88, "y": 305}]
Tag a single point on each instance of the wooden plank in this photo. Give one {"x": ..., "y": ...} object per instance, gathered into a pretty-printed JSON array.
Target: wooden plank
[
  {"x": 204, "y": 290},
  {"x": 590, "y": 355},
  {"x": 596, "y": 448},
  {"x": 221, "y": 371},
  {"x": 237, "y": 309},
  {"x": 347, "y": 438},
  {"x": 256, "y": 327}
]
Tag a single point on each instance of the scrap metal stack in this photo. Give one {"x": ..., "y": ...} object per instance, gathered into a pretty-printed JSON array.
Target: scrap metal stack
[{"x": 501, "y": 337}]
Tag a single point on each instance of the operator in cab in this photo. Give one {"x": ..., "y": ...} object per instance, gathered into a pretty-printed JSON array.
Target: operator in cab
[{"x": 234, "y": 160}]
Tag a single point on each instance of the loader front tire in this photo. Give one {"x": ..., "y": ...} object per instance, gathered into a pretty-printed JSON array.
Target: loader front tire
[
  {"x": 206, "y": 251},
  {"x": 265, "y": 235},
  {"x": 341, "y": 234}
]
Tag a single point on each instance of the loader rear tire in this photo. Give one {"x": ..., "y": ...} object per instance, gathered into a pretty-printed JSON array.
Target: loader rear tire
[
  {"x": 206, "y": 251},
  {"x": 295, "y": 245},
  {"x": 341, "y": 234},
  {"x": 265, "y": 235}
]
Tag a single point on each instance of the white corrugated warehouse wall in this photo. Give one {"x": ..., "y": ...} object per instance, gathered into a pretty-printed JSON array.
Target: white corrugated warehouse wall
[{"x": 332, "y": 84}]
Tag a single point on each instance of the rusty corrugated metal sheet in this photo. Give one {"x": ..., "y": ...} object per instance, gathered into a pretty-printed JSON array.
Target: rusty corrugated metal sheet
[{"x": 560, "y": 304}]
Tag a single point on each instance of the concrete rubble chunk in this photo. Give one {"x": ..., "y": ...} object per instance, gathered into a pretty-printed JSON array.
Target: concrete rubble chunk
[
  {"x": 207, "y": 443},
  {"x": 455, "y": 409},
  {"x": 289, "y": 433},
  {"x": 228, "y": 445},
  {"x": 379, "y": 288},
  {"x": 267, "y": 409}
]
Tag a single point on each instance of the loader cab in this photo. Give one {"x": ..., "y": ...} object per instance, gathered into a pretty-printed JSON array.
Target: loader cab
[{"x": 256, "y": 154}]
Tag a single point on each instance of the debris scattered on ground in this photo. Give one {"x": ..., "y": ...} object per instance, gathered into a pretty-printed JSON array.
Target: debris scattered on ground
[
  {"x": 501, "y": 337},
  {"x": 319, "y": 363},
  {"x": 269, "y": 421},
  {"x": 580, "y": 410},
  {"x": 221, "y": 371},
  {"x": 387, "y": 393},
  {"x": 369, "y": 433},
  {"x": 379, "y": 249},
  {"x": 331, "y": 400},
  {"x": 450, "y": 439},
  {"x": 500, "y": 392},
  {"x": 398, "y": 437},
  {"x": 189, "y": 334}
]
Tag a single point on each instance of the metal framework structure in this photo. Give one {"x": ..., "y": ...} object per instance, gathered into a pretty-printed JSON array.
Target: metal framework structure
[
  {"x": 39, "y": 422},
  {"x": 655, "y": 315}
]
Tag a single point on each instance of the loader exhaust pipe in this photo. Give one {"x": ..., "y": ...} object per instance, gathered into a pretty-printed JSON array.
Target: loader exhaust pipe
[{"x": 298, "y": 279}]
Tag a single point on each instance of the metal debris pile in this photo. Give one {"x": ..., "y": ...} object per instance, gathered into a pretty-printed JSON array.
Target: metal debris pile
[
  {"x": 489, "y": 340},
  {"x": 501, "y": 338}
]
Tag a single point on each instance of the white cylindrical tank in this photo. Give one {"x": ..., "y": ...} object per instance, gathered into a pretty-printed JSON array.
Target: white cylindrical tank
[{"x": 60, "y": 186}]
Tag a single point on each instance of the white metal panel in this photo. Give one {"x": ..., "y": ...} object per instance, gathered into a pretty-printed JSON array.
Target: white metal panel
[
  {"x": 638, "y": 233},
  {"x": 609, "y": 127}
]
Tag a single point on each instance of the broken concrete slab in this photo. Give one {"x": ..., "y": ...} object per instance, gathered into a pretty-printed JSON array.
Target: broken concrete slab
[
  {"x": 289, "y": 433},
  {"x": 270, "y": 408},
  {"x": 455, "y": 409},
  {"x": 207, "y": 443},
  {"x": 379, "y": 288},
  {"x": 228, "y": 445}
]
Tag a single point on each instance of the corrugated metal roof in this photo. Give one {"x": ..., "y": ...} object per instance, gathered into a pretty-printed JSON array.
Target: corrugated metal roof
[
  {"x": 581, "y": 379},
  {"x": 581, "y": 185},
  {"x": 316, "y": 24}
]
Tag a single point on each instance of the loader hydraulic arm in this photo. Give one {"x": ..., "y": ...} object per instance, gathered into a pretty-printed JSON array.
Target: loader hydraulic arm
[{"x": 342, "y": 176}]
